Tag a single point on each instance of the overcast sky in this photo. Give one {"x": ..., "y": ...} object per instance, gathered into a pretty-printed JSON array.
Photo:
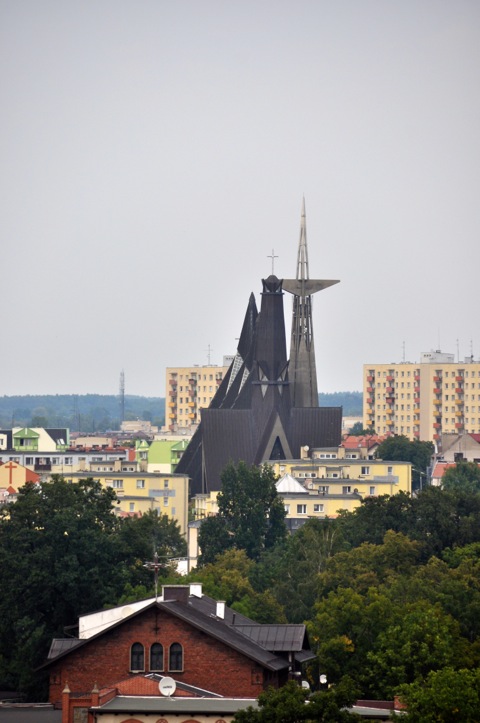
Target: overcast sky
[{"x": 153, "y": 153}]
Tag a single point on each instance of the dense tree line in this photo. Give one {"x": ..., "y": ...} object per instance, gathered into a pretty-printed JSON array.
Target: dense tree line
[
  {"x": 85, "y": 413},
  {"x": 63, "y": 552}
]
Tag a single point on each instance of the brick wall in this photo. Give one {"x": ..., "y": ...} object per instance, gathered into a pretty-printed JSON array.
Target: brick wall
[{"x": 207, "y": 663}]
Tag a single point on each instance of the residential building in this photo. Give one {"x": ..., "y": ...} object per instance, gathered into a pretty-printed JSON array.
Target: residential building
[
  {"x": 423, "y": 400},
  {"x": 139, "y": 492},
  {"x": 160, "y": 455},
  {"x": 188, "y": 391}
]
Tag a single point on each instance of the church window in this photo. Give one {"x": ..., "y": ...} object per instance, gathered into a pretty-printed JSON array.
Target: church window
[
  {"x": 175, "y": 658},
  {"x": 156, "y": 657},
  {"x": 137, "y": 657}
]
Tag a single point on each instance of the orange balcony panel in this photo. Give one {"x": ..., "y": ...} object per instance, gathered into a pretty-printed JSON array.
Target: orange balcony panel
[
  {"x": 416, "y": 434},
  {"x": 390, "y": 378},
  {"x": 437, "y": 402},
  {"x": 459, "y": 378},
  {"x": 370, "y": 400},
  {"x": 172, "y": 404},
  {"x": 459, "y": 402},
  {"x": 172, "y": 416},
  {"x": 435, "y": 379},
  {"x": 458, "y": 425},
  {"x": 389, "y": 412},
  {"x": 173, "y": 382},
  {"x": 437, "y": 390},
  {"x": 389, "y": 421},
  {"x": 370, "y": 390},
  {"x": 417, "y": 378},
  {"x": 459, "y": 414},
  {"x": 389, "y": 390},
  {"x": 436, "y": 425},
  {"x": 436, "y": 436},
  {"x": 459, "y": 390},
  {"x": 191, "y": 404},
  {"x": 191, "y": 416},
  {"x": 370, "y": 378}
]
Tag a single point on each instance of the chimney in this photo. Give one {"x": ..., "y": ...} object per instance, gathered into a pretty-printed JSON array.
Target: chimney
[
  {"x": 196, "y": 589},
  {"x": 220, "y": 609},
  {"x": 178, "y": 593}
]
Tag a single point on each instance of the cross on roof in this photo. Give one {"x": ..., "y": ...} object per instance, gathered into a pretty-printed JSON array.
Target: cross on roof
[{"x": 155, "y": 566}]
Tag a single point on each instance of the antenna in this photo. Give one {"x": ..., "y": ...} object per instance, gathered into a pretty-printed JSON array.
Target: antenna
[
  {"x": 403, "y": 355},
  {"x": 122, "y": 396},
  {"x": 209, "y": 351}
]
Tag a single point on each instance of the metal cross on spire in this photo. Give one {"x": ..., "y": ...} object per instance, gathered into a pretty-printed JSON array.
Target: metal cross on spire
[
  {"x": 273, "y": 257},
  {"x": 156, "y": 566}
]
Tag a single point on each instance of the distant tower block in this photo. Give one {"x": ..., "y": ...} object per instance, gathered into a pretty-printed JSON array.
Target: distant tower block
[{"x": 302, "y": 371}]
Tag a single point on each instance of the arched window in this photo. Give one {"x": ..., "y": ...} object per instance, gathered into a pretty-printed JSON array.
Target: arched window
[
  {"x": 156, "y": 657},
  {"x": 137, "y": 657},
  {"x": 175, "y": 661}
]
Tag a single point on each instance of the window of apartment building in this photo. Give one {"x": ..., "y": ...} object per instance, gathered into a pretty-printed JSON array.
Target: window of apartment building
[
  {"x": 28, "y": 460},
  {"x": 165, "y": 483},
  {"x": 323, "y": 489},
  {"x": 301, "y": 509},
  {"x": 372, "y": 490},
  {"x": 210, "y": 377},
  {"x": 365, "y": 470},
  {"x": 389, "y": 471},
  {"x": 131, "y": 507},
  {"x": 346, "y": 490},
  {"x": 140, "y": 484},
  {"x": 68, "y": 460},
  {"x": 287, "y": 509},
  {"x": 318, "y": 508},
  {"x": 117, "y": 484}
]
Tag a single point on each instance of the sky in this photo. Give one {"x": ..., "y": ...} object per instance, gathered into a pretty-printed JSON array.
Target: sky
[{"x": 154, "y": 153}]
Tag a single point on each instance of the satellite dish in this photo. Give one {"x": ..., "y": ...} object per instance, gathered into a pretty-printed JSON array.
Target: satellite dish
[
  {"x": 305, "y": 685},
  {"x": 167, "y": 686},
  {"x": 323, "y": 679}
]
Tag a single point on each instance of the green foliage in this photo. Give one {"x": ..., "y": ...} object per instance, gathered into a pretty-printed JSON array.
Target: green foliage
[
  {"x": 64, "y": 553},
  {"x": 251, "y": 514},
  {"x": 465, "y": 476},
  {"x": 92, "y": 412},
  {"x": 445, "y": 696},
  {"x": 292, "y": 704},
  {"x": 400, "y": 449},
  {"x": 358, "y": 430},
  {"x": 352, "y": 402}
]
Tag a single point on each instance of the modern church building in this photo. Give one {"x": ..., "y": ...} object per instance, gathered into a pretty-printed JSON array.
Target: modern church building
[{"x": 266, "y": 407}]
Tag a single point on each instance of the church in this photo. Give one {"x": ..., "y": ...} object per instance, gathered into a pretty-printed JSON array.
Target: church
[{"x": 266, "y": 408}]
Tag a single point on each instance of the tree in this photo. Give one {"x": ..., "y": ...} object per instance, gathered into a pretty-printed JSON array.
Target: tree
[
  {"x": 445, "y": 696},
  {"x": 252, "y": 515},
  {"x": 358, "y": 430},
  {"x": 400, "y": 449},
  {"x": 463, "y": 476},
  {"x": 292, "y": 704}
]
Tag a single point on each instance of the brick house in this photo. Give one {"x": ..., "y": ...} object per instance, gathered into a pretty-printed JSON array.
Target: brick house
[{"x": 184, "y": 634}]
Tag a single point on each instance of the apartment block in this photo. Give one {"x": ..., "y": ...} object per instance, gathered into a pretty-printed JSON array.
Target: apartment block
[
  {"x": 188, "y": 391},
  {"x": 423, "y": 400}
]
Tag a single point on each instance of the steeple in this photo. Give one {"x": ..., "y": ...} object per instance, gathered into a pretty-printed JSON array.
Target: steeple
[{"x": 302, "y": 370}]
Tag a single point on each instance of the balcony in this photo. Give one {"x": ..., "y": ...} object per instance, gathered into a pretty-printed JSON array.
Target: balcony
[
  {"x": 459, "y": 390},
  {"x": 389, "y": 422},
  {"x": 416, "y": 433},
  {"x": 172, "y": 404},
  {"x": 435, "y": 379},
  {"x": 459, "y": 414},
  {"x": 389, "y": 412},
  {"x": 459, "y": 378},
  {"x": 437, "y": 402},
  {"x": 370, "y": 378},
  {"x": 172, "y": 416},
  {"x": 436, "y": 436},
  {"x": 390, "y": 390},
  {"x": 173, "y": 382},
  {"x": 458, "y": 425},
  {"x": 437, "y": 390},
  {"x": 436, "y": 425},
  {"x": 190, "y": 404},
  {"x": 417, "y": 378},
  {"x": 459, "y": 402},
  {"x": 370, "y": 390},
  {"x": 191, "y": 416},
  {"x": 370, "y": 400},
  {"x": 390, "y": 378}
]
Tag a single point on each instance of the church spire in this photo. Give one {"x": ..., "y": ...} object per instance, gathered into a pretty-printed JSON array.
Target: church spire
[{"x": 302, "y": 370}]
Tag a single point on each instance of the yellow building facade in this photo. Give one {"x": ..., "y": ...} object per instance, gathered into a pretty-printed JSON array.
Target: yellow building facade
[
  {"x": 424, "y": 400},
  {"x": 188, "y": 391},
  {"x": 139, "y": 492}
]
